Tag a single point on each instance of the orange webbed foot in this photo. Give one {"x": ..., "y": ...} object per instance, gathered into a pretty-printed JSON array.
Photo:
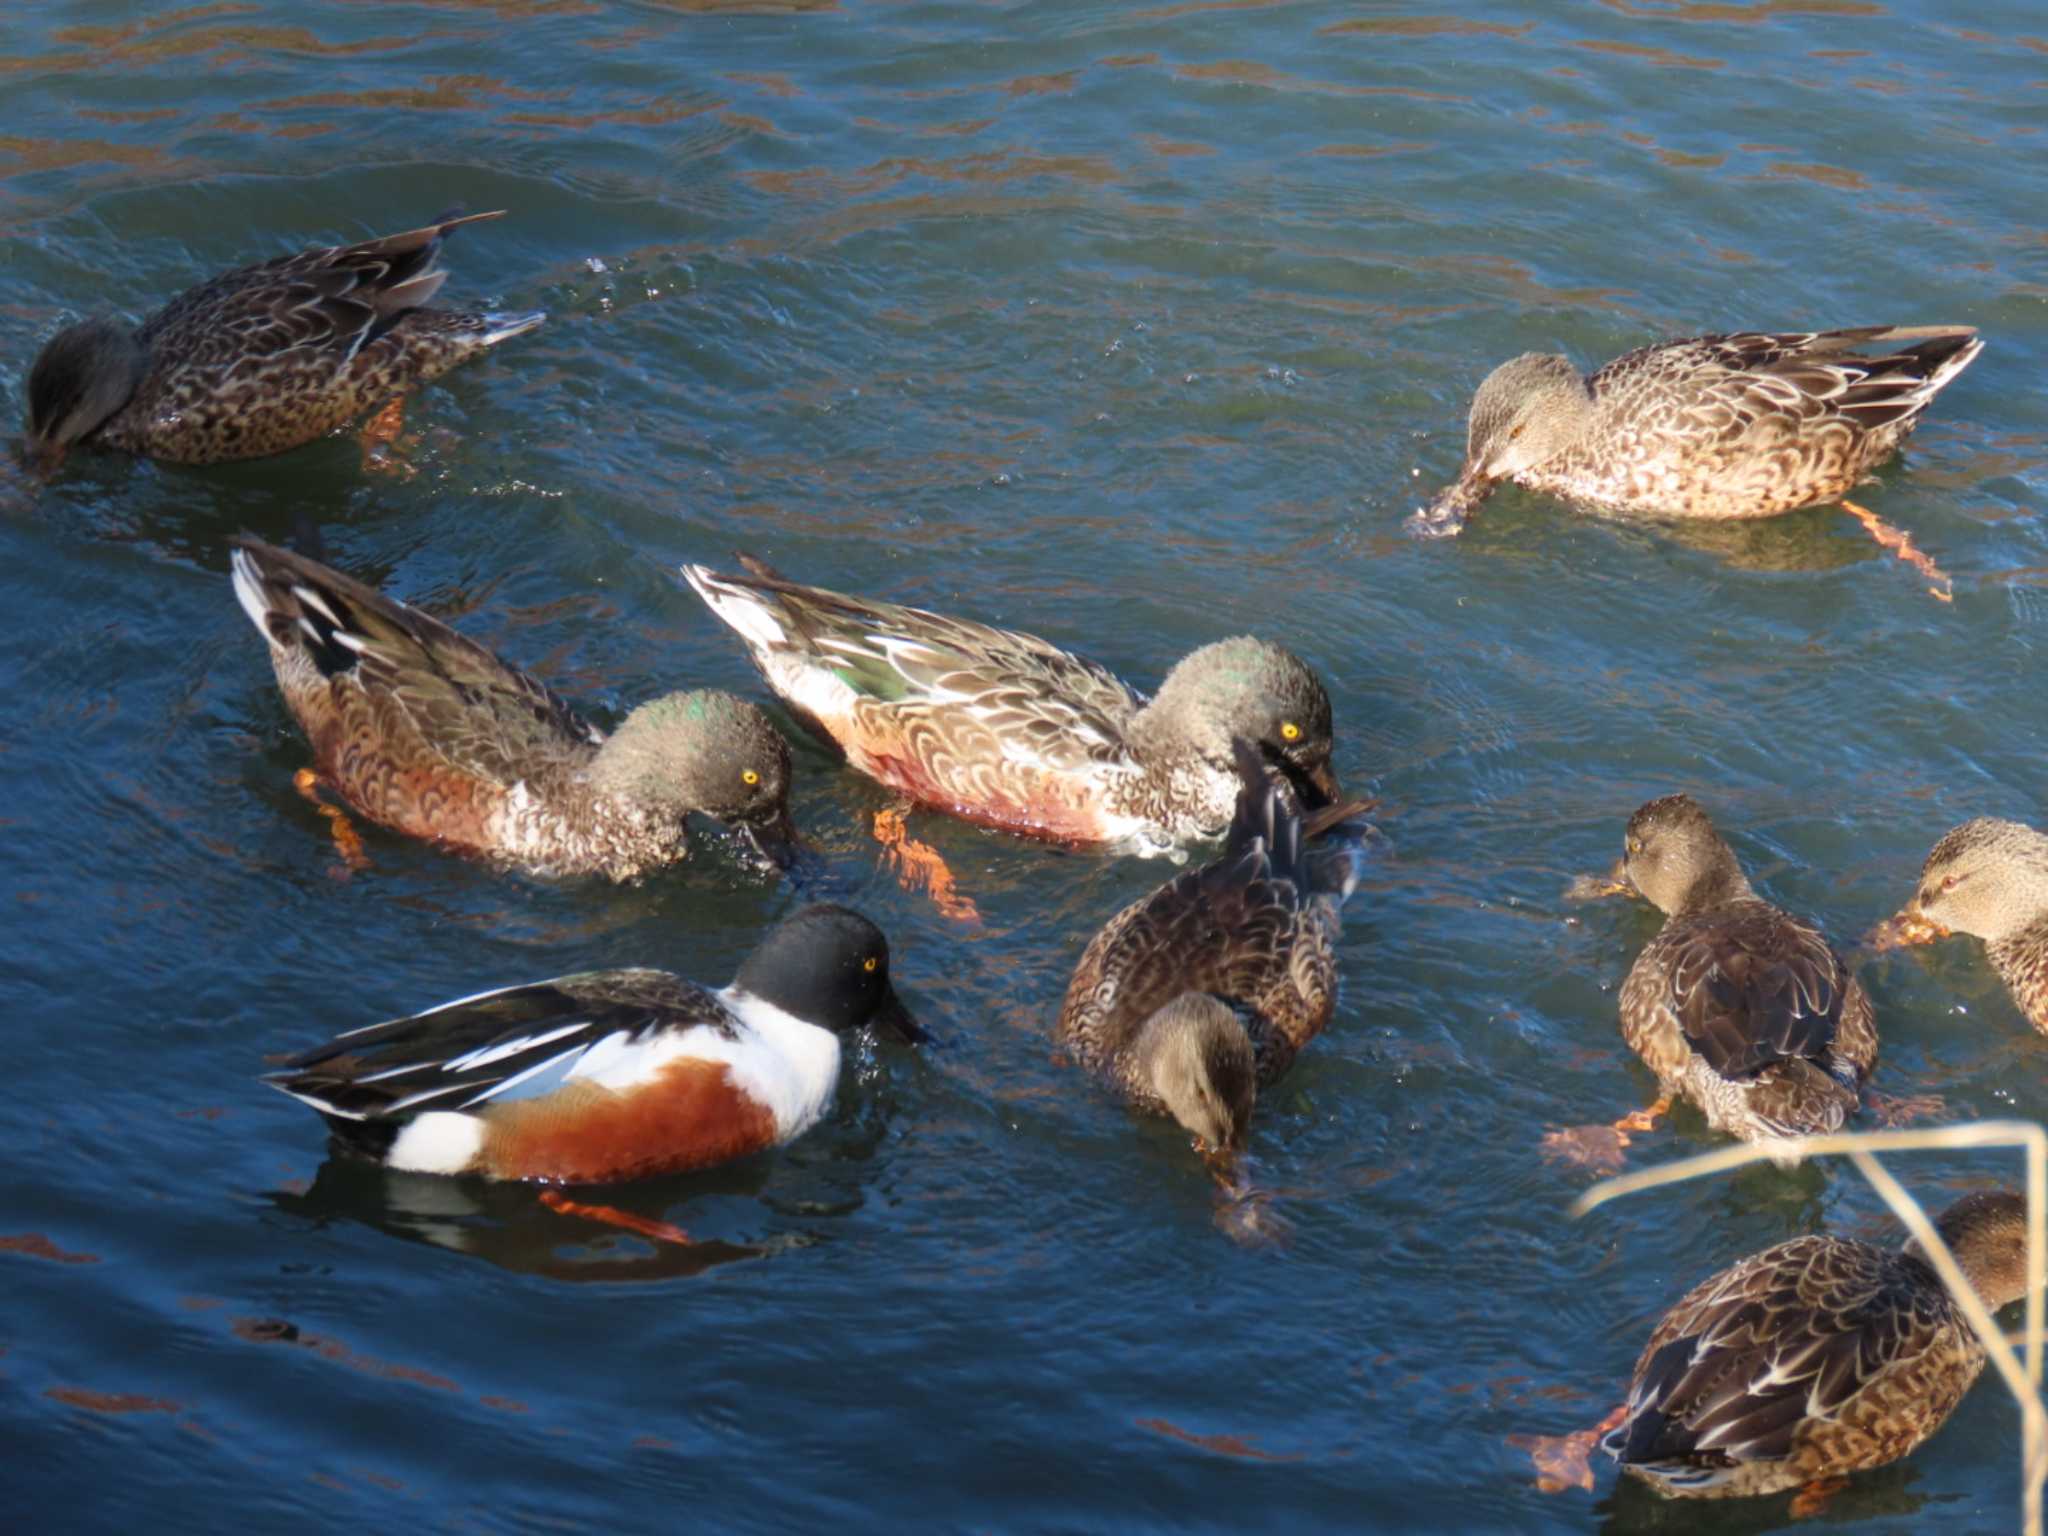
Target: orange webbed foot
[
  {"x": 1813, "y": 1498},
  {"x": 1565, "y": 1461},
  {"x": 383, "y": 446},
  {"x": 1900, "y": 543},
  {"x": 1600, "y": 1147},
  {"x": 612, "y": 1216},
  {"x": 1645, "y": 1119},
  {"x": 920, "y": 868},
  {"x": 1891, "y": 1110},
  {"x": 348, "y": 842}
]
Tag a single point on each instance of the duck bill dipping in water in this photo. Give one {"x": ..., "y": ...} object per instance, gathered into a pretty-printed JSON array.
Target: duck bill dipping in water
[
  {"x": 261, "y": 359},
  {"x": 1723, "y": 427}
]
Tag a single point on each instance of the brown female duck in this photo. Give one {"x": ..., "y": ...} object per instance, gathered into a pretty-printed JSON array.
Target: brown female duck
[
  {"x": 1727, "y": 426},
  {"x": 260, "y": 359},
  {"x": 1813, "y": 1358},
  {"x": 1737, "y": 1005},
  {"x": 434, "y": 736},
  {"x": 1195, "y": 995},
  {"x": 1989, "y": 879}
]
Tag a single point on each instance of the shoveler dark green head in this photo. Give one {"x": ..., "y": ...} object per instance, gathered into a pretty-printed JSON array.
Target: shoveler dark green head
[
  {"x": 828, "y": 965},
  {"x": 83, "y": 375},
  {"x": 705, "y": 751},
  {"x": 1246, "y": 689}
]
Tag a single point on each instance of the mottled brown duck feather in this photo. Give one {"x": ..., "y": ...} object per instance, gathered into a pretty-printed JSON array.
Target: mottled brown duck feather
[
  {"x": 1255, "y": 928},
  {"x": 1007, "y": 729},
  {"x": 1815, "y": 1357},
  {"x": 427, "y": 732},
  {"x": 263, "y": 358},
  {"x": 1736, "y": 1004},
  {"x": 1744, "y": 425}
]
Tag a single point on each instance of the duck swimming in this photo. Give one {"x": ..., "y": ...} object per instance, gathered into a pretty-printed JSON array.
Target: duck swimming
[
  {"x": 1989, "y": 879},
  {"x": 261, "y": 359},
  {"x": 428, "y": 733},
  {"x": 1006, "y": 729},
  {"x": 610, "y": 1075},
  {"x": 1193, "y": 997},
  {"x": 1736, "y": 1004},
  {"x": 1813, "y": 1358},
  {"x": 1744, "y": 425}
]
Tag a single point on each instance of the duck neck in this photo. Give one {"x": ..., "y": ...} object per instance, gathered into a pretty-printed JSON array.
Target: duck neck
[{"x": 1719, "y": 885}]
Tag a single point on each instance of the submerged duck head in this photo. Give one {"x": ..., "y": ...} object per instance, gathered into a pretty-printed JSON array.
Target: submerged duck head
[
  {"x": 1253, "y": 690},
  {"x": 1987, "y": 1233},
  {"x": 1195, "y": 1054},
  {"x": 705, "y": 751},
  {"x": 1987, "y": 878},
  {"x": 83, "y": 375},
  {"x": 828, "y": 966},
  {"x": 1526, "y": 412},
  {"x": 1677, "y": 861}
]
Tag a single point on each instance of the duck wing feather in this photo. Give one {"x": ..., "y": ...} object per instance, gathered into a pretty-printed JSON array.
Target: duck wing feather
[
  {"x": 1751, "y": 986},
  {"x": 509, "y": 1043},
  {"x": 485, "y": 717},
  {"x": 1783, "y": 1339}
]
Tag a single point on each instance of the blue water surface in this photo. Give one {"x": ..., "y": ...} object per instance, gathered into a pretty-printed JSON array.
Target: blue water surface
[{"x": 1130, "y": 326}]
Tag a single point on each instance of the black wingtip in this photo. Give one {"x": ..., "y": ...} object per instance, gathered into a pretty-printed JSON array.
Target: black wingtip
[{"x": 1266, "y": 812}]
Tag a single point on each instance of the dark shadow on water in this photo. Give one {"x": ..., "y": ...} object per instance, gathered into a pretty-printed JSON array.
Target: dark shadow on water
[
  {"x": 1631, "y": 1507},
  {"x": 1808, "y": 540},
  {"x": 515, "y": 1227}
]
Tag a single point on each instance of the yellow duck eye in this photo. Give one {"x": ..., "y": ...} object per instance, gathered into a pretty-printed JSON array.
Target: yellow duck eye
[
  {"x": 749, "y": 776},
  {"x": 870, "y": 963},
  {"x": 1289, "y": 731}
]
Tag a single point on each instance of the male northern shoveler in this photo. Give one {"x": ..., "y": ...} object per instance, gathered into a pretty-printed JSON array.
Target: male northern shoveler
[
  {"x": 1191, "y": 997},
  {"x": 1736, "y": 1005},
  {"x": 260, "y": 359},
  {"x": 610, "y": 1075},
  {"x": 1989, "y": 879},
  {"x": 432, "y": 735},
  {"x": 1813, "y": 1358},
  {"x": 1005, "y": 729},
  {"x": 1737, "y": 426}
]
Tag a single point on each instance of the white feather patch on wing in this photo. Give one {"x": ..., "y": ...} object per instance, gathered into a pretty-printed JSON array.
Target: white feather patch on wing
[
  {"x": 310, "y": 597},
  {"x": 249, "y": 590},
  {"x": 747, "y": 614},
  {"x": 484, "y": 1055},
  {"x": 809, "y": 686}
]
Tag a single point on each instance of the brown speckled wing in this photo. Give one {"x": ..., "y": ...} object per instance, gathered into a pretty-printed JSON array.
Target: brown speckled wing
[
  {"x": 1751, "y": 986},
  {"x": 1753, "y": 1364},
  {"x": 1235, "y": 928},
  {"x": 331, "y": 297},
  {"x": 2022, "y": 963},
  {"x": 364, "y": 672},
  {"x": 989, "y": 723},
  {"x": 267, "y": 357},
  {"x": 895, "y": 655}
]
